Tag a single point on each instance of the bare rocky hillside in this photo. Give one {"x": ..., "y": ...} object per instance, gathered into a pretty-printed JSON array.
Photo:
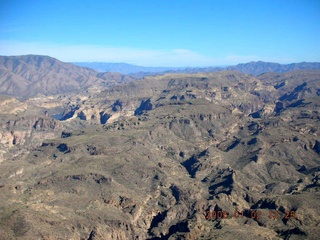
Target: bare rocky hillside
[{"x": 30, "y": 75}]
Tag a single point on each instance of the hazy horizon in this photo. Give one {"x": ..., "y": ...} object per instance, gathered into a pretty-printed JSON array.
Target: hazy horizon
[{"x": 163, "y": 33}]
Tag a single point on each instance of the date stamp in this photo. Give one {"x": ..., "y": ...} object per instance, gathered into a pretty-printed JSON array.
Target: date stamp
[{"x": 253, "y": 214}]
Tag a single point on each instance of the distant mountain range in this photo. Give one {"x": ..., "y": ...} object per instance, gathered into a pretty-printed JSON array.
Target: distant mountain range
[
  {"x": 29, "y": 75},
  {"x": 255, "y": 68},
  {"x": 124, "y": 68}
]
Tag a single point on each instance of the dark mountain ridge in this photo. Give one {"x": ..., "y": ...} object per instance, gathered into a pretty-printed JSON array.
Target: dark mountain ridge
[{"x": 257, "y": 68}]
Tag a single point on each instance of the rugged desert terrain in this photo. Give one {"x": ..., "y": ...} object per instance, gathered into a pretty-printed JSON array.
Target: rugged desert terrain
[{"x": 211, "y": 155}]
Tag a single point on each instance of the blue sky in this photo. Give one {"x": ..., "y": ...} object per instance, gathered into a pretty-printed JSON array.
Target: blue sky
[{"x": 163, "y": 32}]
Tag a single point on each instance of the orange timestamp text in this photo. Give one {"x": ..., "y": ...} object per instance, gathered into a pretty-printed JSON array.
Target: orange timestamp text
[{"x": 254, "y": 214}]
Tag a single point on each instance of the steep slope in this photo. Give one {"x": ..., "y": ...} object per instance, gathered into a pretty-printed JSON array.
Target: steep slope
[{"x": 29, "y": 75}]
